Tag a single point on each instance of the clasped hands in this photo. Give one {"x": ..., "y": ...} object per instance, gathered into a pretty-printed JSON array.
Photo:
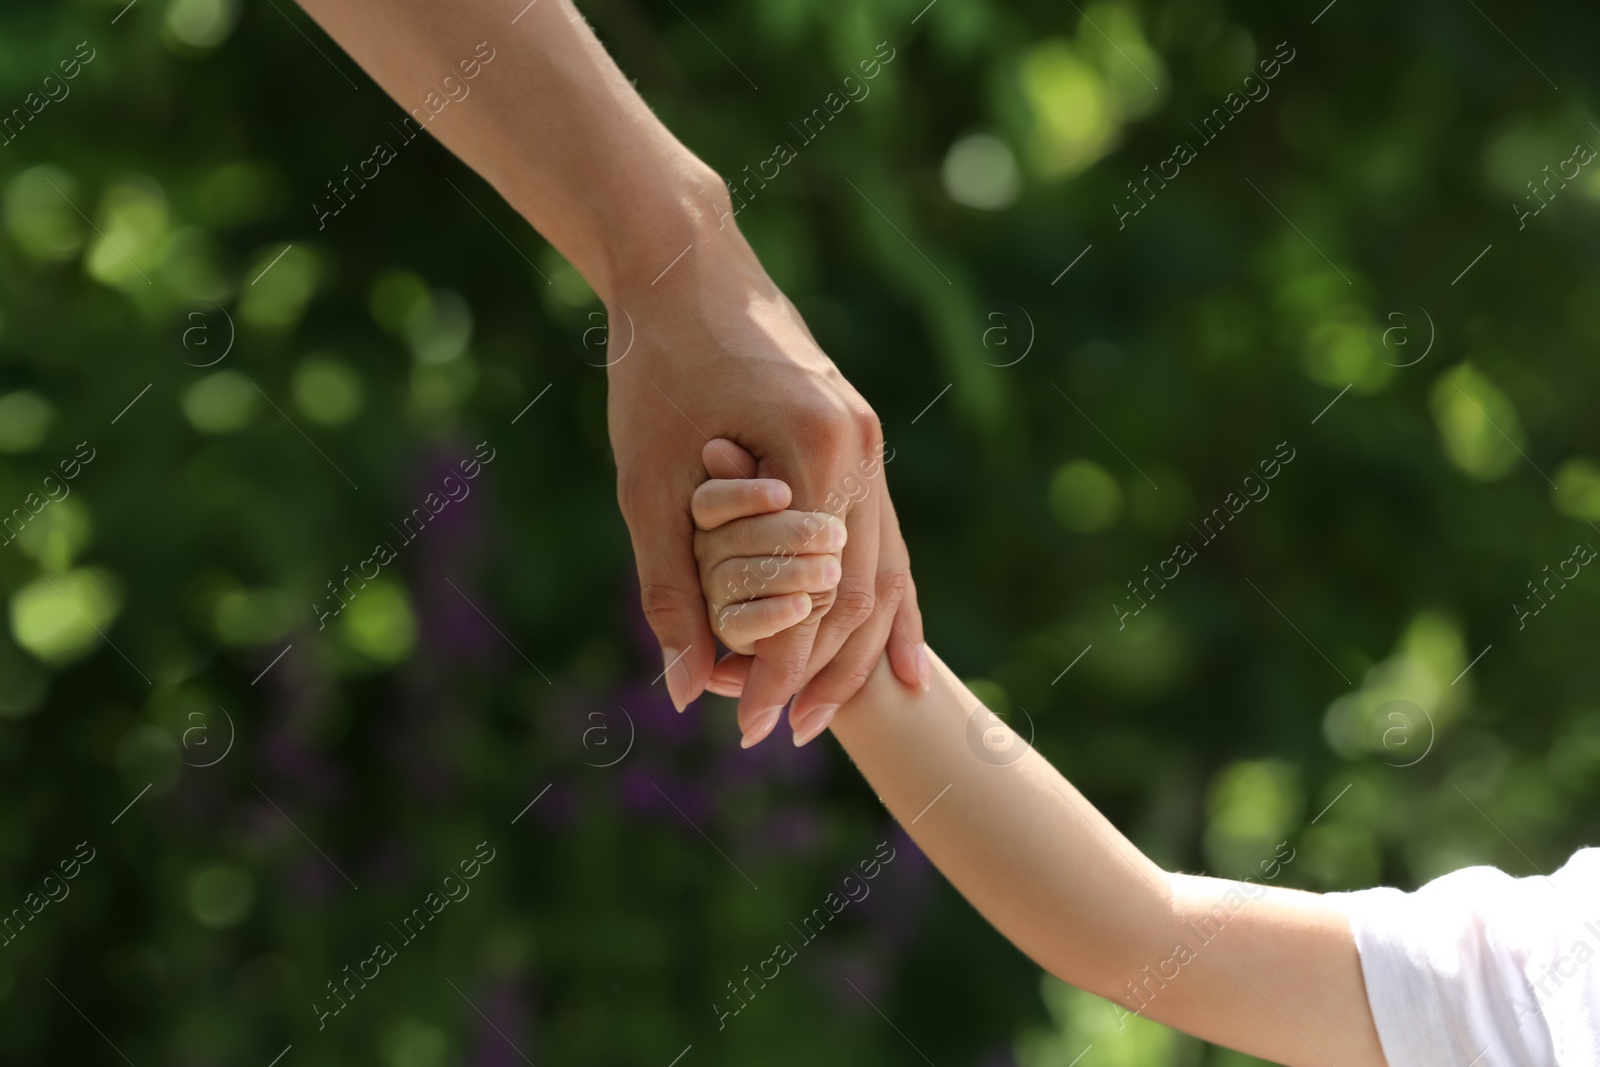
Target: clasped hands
[{"x": 721, "y": 377}]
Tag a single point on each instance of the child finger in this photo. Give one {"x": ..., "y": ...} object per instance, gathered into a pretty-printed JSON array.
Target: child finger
[
  {"x": 722, "y": 500},
  {"x": 741, "y": 625},
  {"x": 785, "y": 533},
  {"x": 752, "y": 577}
]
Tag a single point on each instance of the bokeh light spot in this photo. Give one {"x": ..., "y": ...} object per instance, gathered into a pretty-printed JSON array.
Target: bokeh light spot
[
  {"x": 200, "y": 25},
  {"x": 39, "y": 213},
  {"x": 1577, "y": 492},
  {"x": 378, "y": 622},
  {"x": 1084, "y": 497},
  {"x": 980, "y": 171},
  {"x": 24, "y": 419},
  {"x": 223, "y": 402},
  {"x": 1479, "y": 427},
  {"x": 327, "y": 389},
  {"x": 220, "y": 895},
  {"x": 59, "y": 618}
]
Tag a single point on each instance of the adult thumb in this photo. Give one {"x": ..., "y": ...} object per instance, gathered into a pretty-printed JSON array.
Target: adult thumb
[
  {"x": 727, "y": 459},
  {"x": 669, "y": 591}
]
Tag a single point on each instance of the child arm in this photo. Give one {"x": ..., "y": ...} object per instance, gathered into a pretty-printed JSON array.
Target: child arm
[
  {"x": 1266, "y": 970},
  {"x": 1269, "y": 971}
]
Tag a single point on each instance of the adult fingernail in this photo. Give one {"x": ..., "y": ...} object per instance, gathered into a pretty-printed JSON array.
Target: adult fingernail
[
  {"x": 676, "y": 675},
  {"x": 924, "y": 672},
  {"x": 762, "y": 726},
  {"x": 813, "y": 723}
]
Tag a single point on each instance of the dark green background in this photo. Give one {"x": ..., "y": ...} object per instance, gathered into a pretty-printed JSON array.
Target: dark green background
[{"x": 1178, "y": 352}]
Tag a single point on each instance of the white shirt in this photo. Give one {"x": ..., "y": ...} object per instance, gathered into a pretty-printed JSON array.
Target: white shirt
[{"x": 1479, "y": 969}]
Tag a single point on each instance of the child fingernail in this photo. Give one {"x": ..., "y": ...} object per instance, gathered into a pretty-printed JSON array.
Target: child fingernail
[
  {"x": 923, "y": 670},
  {"x": 830, "y": 571},
  {"x": 813, "y": 723},
  {"x": 762, "y": 726}
]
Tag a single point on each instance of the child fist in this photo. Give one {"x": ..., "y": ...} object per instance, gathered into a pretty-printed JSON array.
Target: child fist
[{"x": 762, "y": 568}]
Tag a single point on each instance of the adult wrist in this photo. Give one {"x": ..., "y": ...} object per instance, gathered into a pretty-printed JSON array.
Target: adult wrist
[{"x": 686, "y": 216}]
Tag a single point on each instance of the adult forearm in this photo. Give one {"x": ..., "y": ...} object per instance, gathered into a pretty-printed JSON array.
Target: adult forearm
[{"x": 549, "y": 121}]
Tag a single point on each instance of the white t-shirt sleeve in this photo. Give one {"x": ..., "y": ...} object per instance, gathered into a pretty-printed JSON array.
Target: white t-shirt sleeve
[{"x": 1479, "y": 969}]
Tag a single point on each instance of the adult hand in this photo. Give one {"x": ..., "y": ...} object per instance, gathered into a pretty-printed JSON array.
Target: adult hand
[
  {"x": 704, "y": 347},
  {"x": 712, "y": 348}
]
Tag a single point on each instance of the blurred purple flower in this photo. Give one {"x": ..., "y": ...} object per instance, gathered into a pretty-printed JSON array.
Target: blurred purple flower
[
  {"x": 558, "y": 808},
  {"x": 694, "y": 800},
  {"x": 773, "y": 760},
  {"x": 450, "y": 623},
  {"x": 904, "y": 887},
  {"x": 790, "y": 831},
  {"x": 501, "y": 1035},
  {"x": 636, "y": 790},
  {"x": 648, "y": 791},
  {"x": 314, "y": 881},
  {"x": 653, "y": 713},
  {"x": 437, "y": 554},
  {"x": 310, "y": 776},
  {"x": 850, "y": 976}
]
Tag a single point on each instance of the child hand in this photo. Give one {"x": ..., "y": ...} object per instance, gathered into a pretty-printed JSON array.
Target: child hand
[{"x": 762, "y": 568}]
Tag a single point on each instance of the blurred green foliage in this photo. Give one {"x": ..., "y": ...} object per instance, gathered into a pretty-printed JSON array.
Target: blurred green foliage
[{"x": 266, "y": 400}]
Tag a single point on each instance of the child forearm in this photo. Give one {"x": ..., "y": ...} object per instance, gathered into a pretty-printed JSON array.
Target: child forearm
[
  {"x": 1274, "y": 972},
  {"x": 1015, "y": 838}
]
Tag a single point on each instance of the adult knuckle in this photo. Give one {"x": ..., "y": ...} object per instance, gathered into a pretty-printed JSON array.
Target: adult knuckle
[
  {"x": 828, "y": 430},
  {"x": 824, "y": 418},
  {"x": 852, "y": 606},
  {"x": 892, "y": 586},
  {"x": 785, "y": 652},
  {"x": 869, "y": 431},
  {"x": 852, "y": 673},
  {"x": 665, "y": 604}
]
